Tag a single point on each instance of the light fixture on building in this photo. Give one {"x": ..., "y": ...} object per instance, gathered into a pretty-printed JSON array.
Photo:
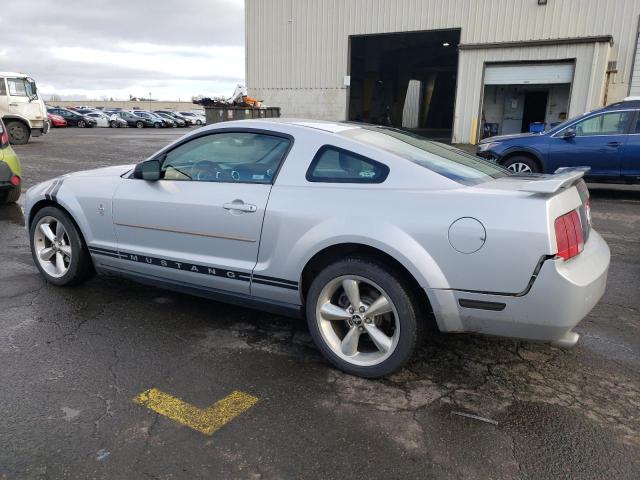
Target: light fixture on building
[
  {"x": 542, "y": 2},
  {"x": 446, "y": 44}
]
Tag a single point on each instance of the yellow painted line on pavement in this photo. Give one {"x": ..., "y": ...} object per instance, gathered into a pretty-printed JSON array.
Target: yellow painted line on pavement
[{"x": 204, "y": 420}]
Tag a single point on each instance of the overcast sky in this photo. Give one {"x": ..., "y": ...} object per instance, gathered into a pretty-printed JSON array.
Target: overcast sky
[{"x": 92, "y": 49}]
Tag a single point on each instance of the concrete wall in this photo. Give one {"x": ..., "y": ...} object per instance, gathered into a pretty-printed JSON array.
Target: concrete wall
[
  {"x": 298, "y": 50},
  {"x": 127, "y": 105}
]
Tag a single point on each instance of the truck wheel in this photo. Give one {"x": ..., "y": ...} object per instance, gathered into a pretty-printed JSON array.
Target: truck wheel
[
  {"x": 11, "y": 196},
  {"x": 19, "y": 133},
  {"x": 363, "y": 317},
  {"x": 521, "y": 164},
  {"x": 58, "y": 249}
]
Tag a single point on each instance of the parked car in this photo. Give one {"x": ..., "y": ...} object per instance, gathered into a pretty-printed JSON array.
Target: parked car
[
  {"x": 10, "y": 175},
  {"x": 606, "y": 140},
  {"x": 176, "y": 122},
  {"x": 74, "y": 119},
  {"x": 57, "y": 121},
  {"x": 179, "y": 119},
  {"x": 134, "y": 120},
  {"x": 196, "y": 118},
  {"x": 101, "y": 119},
  {"x": 158, "y": 122},
  {"x": 370, "y": 232}
]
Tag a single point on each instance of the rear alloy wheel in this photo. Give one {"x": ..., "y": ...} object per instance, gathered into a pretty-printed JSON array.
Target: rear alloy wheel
[
  {"x": 81, "y": 124},
  {"x": 18, "y": 132},
  {"x": 521, "y": 164},
  {"x": 58, "y": 248},
  {"x": 362, "y": 317},
  {"x": 113, "y": 124},
  {"x": 139, "y": 125}
]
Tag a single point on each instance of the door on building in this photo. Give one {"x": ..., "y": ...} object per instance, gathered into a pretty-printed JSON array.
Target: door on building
[{"x": 535, "y": 108}]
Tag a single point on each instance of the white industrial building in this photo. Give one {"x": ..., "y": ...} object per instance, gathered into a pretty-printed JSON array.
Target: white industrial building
[{"x": 452, "y": 69}]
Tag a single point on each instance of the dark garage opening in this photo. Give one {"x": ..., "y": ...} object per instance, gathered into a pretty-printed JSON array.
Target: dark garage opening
[{"x": 405, "y": 80}]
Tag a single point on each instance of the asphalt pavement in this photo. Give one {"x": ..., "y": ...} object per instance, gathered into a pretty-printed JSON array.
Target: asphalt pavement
[{"x": 110, "y": 379}]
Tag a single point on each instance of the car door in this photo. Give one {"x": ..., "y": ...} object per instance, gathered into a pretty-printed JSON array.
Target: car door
[
  {"x": 200, "y": 223},
  {"x": 596, "y": 141},
  {"x": 630, "y": 165}
]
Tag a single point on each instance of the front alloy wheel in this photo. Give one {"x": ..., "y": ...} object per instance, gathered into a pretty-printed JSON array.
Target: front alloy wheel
[
  {"x": 58, "y": 248},
  {"x": 52, "y": 246}
]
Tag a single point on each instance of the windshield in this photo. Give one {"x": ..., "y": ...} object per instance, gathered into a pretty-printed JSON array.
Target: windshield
[
  {"x": 445, "y": 160},
  {"x": 564, "y": 124}
]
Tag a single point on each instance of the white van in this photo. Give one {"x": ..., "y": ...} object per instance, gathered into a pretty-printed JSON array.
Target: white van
[{"x": 21, "y": 108}]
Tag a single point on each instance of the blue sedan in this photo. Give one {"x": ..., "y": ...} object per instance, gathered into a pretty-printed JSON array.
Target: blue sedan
[{"x": 607, "y": 140}]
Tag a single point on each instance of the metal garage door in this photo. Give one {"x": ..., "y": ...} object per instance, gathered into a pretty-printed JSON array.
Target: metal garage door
[
  {"x": 635, "y": 75},
  {"x": 543, "y": 73}
]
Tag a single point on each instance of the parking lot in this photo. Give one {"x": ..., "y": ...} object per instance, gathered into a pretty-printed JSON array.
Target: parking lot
[{"x": 75, "y": 362}]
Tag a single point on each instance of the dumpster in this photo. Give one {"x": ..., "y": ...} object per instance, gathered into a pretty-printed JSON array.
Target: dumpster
[{"x": 227, "y": 114}]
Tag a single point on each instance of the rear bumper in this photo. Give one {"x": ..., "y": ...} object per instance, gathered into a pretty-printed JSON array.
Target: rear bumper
[{"x": 561, "y": 296}]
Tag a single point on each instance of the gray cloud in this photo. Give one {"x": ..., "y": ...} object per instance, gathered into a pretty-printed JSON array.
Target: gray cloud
[{"x": 31, "y": 33}]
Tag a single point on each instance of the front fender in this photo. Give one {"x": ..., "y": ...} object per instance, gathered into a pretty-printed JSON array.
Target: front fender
[{"x": 13, "y": 116}]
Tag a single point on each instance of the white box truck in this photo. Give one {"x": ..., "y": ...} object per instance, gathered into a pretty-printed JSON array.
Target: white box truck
[{"x": 21, "y": 108}]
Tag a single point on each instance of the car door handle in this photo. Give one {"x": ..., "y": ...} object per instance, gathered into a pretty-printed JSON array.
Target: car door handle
[
  {"x": 240, "y": 207},
  {"x": 13, "y": 104},
  {"x": 614, "y": 144}
]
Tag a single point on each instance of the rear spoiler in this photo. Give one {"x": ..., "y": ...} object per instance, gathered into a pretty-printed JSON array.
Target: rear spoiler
[{"x": 562, "y": 178}]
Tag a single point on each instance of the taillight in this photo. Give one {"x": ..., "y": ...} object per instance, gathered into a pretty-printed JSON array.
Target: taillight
[
  {"x": 4, "y": 138},
  {"x": 15, "y": 180},
  {"x": 569, "y": 238}
]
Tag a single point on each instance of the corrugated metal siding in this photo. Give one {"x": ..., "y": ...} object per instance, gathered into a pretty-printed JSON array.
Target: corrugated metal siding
[
  {"x": 297, "y": 49},
  {"x": 635, "y": 75},
  {"x": 304, "y": 43}
]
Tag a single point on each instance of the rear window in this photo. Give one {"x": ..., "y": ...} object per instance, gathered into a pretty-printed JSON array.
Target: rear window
[{"x": 445, "y": 160}]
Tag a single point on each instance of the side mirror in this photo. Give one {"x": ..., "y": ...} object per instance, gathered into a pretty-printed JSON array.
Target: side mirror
[
  {"x": 569, "y": 133},
  {"x": 149, "y": 170}
]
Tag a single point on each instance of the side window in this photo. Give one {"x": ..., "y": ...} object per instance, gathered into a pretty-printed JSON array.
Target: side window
[
  {"x": 231, "y": 157},
  {"x": 613, "y": 123},
  {"x": 3, "y": 87},
  {"x": 335, "y": 165},
  {"x": 637, "y": 129},
  {"x": 17, "y": 87}
]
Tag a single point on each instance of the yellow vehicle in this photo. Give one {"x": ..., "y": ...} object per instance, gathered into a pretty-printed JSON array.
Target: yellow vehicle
[{"x": 10, "y": 175}]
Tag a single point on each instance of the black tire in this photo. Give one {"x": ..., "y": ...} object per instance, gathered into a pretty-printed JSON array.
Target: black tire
[
  {"x": 520, "y": 164},
  {"x": 81, "y": 124},
  {"x": 156, "y": 125},
  {"x": 18, "y": 132},
  {"x": 199, "y": 122},
  {"x": 11, "y": 195},
  {"x": 139, "y": 125},
  {"x": 412, "y": 328},
  {"x": 81, "y": 266},
  {"x": 113, "y": 124}
]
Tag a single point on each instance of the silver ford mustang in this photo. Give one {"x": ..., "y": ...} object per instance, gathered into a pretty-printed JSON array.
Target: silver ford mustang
[{"x": 372, "y": 233}]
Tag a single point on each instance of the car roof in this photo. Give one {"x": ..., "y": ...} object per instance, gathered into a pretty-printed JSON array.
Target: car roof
[{"x": 623, "y": 105}]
